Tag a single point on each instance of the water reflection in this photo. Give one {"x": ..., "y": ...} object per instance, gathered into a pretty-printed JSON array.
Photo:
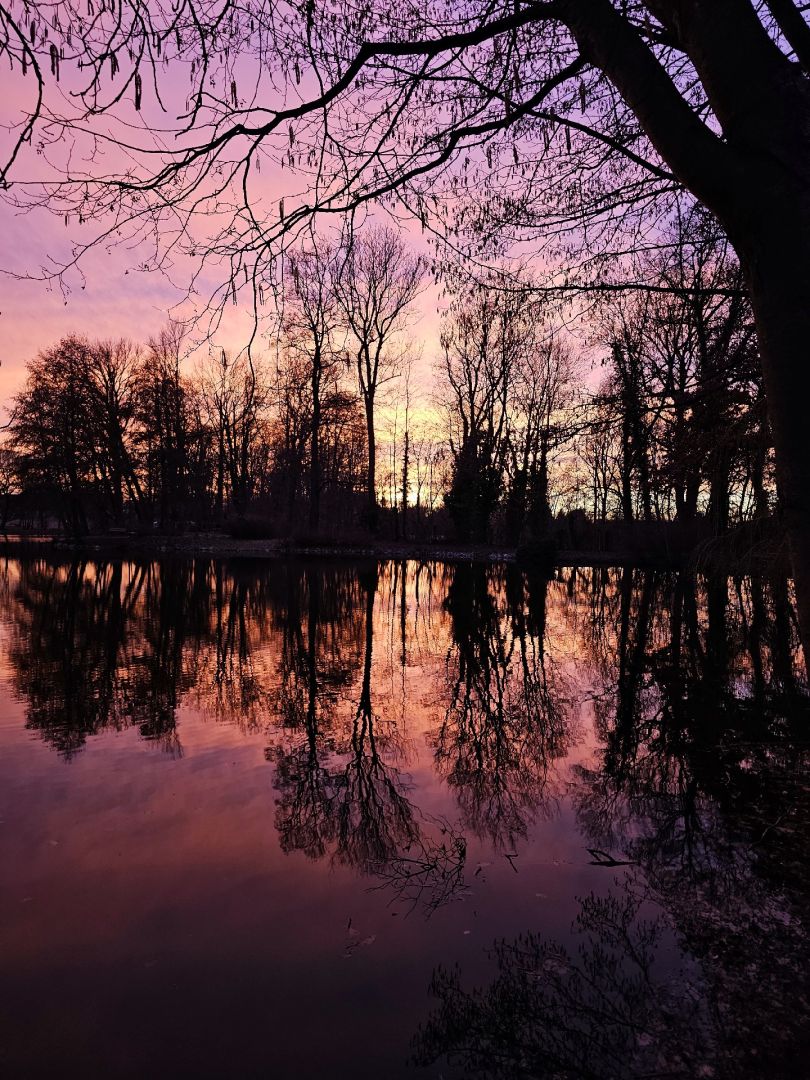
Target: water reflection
[
  {"x": 94, "y": 649},
  {"x": 506, "y": 712},
  {"x": 340, "y": 787},
  {"x": 602, "y": 1009},
  {"x": 700, "y": 786},
  {"x": 422, "y": 721}
]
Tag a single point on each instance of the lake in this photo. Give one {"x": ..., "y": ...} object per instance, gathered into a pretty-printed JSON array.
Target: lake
[{"x": 310, "y": 819}]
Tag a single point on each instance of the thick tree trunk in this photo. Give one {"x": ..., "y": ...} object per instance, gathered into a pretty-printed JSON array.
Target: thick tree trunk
[
  {"x": 756, "y": 179},
  {"x": 719, "y": 491},
  {"x": 779, "y": 281}
]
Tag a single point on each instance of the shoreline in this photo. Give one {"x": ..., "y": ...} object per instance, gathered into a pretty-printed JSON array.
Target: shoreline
[{"x": 221, "y": 546}]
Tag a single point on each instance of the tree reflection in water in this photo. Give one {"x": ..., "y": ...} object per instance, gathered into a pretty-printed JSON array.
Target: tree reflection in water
[
  {"x": 506, "y": 718},
  {"x": 318, "y": 661},
  {"x": 340, "y": 788},
  {"x": 702, "y": 784},
  {"x": 601, "y": 1010},
  {"x": 93, "y": 648},
  {"x": 698, "y": 779}
]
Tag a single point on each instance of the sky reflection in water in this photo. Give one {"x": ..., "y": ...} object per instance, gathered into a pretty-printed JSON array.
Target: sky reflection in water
[{"x": 305, "y": 819}]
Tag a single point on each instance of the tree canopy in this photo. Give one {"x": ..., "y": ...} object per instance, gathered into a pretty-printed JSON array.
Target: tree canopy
[{"x": 560, "y": 125}]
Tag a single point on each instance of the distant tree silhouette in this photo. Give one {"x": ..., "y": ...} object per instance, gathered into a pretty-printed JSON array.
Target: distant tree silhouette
[
  {"x": 311, "y": 324},
  {"x": 377, "y": 283}
]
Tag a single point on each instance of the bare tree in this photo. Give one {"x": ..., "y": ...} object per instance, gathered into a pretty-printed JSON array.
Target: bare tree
[
  {"x": 376, "y": 286},
  {"x": 114, "y": 385},
  {"x": 478, "y": 372},
  {"x": 235, "y": 393},
  {"x": 290, "y": 430},
  {"x": 598, "y": 450},
  {"x": 311, "y": 323},
  {"x": 165, "y": 421},
  {"x": 685, "y": 388},
  {"x": 542, "y": 424},
  {"x": 406, "y": 455}
]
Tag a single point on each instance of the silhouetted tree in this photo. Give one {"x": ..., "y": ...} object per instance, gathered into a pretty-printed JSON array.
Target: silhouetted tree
[
  {"x": 377, "y": 283},
  {"x": 310, "y": 325},
  {"x": 170, "y": 429},
  {"x": 235, "y": 398}
]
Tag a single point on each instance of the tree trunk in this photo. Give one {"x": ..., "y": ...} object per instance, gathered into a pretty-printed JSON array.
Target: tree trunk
[
  {"x": 315, "y": 450},
  {"x": 371, "y": 476},
  {"x": 626, "y": 470},
  {"x": 719, "y": 490},
  {"x": 779, "y": 282},
  {"x": 405, "y": 464},
  {"x": 313, "y": 614},
  {"x": 540, "y": 508},
  {"x": 220, "y": 472},
  {"x": 691, "y": 497}
]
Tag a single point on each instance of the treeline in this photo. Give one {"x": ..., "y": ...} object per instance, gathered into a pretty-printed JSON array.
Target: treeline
[
  {"x": 514, "y": 441},
  {"x": 109, "y": 433}
]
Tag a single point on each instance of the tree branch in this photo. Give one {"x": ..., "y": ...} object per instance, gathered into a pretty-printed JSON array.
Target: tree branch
[{"x": 797, "y": 33}]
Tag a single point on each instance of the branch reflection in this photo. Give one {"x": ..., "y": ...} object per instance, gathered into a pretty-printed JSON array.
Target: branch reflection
[
  {"x": 507, "y": 712},
  {"x": 701, "y": 785}
]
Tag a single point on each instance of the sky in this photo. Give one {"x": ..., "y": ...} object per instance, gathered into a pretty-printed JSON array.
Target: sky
[
  {"x": 113, "y": 301},
  {"x": 34, "y": 315},
  {"x": 110, "y": 298}
]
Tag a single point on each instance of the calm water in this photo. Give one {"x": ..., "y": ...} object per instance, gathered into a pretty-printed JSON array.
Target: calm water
[{"x": 307, "y": 820}]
